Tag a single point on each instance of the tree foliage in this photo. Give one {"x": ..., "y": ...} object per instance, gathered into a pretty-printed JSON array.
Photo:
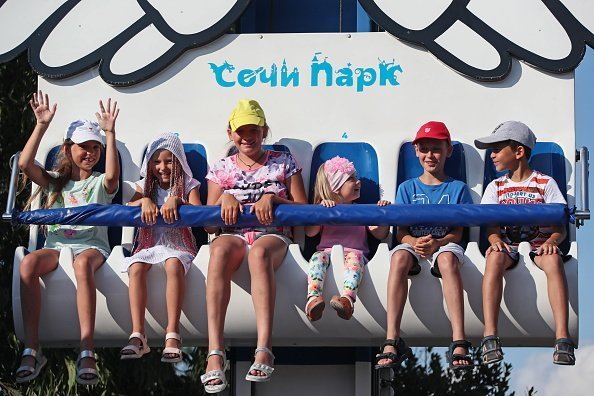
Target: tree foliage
[{"x": 424, "y": 374}]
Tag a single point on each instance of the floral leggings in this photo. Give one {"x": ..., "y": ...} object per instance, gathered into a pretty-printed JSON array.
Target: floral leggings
[{"x": 354, "y": 263}]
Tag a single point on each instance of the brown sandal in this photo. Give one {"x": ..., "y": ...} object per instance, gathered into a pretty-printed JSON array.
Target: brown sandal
[
  {"x": 343, "y": 306},
  {"x": 314, "y": 308}
]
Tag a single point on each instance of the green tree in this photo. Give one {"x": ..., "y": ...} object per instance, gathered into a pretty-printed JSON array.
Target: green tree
[{"x": 424, "y": 374}]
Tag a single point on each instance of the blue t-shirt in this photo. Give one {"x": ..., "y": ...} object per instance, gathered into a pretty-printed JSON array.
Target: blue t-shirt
[{"x": 414, "y": 191}]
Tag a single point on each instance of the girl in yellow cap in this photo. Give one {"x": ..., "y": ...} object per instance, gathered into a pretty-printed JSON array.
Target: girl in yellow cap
[{"x": 262, "y": 178}]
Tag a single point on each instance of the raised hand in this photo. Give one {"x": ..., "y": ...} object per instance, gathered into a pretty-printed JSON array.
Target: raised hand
[
  {"x": 107, "y": 117},
  {"x": 44, "y": 112}
]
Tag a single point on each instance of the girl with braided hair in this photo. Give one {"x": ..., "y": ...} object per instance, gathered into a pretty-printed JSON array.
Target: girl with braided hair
[{"x": 168, "y": 182}]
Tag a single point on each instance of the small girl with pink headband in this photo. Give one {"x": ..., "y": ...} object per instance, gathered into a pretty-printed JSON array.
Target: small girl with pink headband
[{"x": 337, "y": 183}]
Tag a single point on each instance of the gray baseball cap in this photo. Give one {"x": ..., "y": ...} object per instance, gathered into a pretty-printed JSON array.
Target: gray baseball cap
[{"x": 509, "y": 130}]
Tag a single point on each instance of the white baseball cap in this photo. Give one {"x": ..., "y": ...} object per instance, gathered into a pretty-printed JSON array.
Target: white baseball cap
[
  {"x": 81, "y": 131},
  {"x": 509, "y": 130}
]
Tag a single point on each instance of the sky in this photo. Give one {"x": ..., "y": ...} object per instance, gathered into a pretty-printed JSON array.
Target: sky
[{"x": 533, "y": 366}]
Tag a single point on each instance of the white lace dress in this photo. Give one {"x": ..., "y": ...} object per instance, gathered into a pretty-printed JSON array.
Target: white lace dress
[{"x": 165, "y": 247}]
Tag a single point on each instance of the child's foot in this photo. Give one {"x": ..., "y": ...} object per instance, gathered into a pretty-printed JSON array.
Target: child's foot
[
  {"x": 314, "y": 308},
  {"x": 172, "y": 352},
  {"x": 262, "y": 368},
  {"x": 564, "y": 352},
  {"x": 388, "y": 350},
  {"x": 86, "y": 368},
  {"x": 394, "y": 352},
  {"x": 214, "y": 380},
  {"x": 458, "y": 355},
  {"x": 136, "y": 348},
  {"x": 461, "y": 351},
  {"x": 491, "y": 351},
  {"x": 32, "y": 362},
  {"x": 343, "y": 306}
]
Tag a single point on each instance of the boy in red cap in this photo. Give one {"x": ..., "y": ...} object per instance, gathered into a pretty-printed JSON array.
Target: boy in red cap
[{"x": 437, "y": 244}]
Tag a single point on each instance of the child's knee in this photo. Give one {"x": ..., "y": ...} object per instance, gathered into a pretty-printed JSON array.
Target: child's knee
[
  {"x": 258, "y": 253},
  {"x": 448, "y": 263},
  {"x": 402, "y": 261},
  {"x": 28, "y": 268},
  {"x": 137, "y": 270},
  {"x": 220, "y": 253},
  {"x": 174, "y": 267}
]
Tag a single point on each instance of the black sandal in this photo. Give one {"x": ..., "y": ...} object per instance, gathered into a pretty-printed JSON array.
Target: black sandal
[
  {"x": 466, "y": 358},
  {"x": 564, "y": 354},
  {"x": 491, "y": 350},
  {"x": 403, "y": 352}
]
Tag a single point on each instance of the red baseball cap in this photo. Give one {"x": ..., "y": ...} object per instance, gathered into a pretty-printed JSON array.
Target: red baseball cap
[{"x": 433, "y": 130}]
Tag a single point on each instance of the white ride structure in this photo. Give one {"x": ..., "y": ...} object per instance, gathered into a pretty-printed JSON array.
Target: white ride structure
[{"x": 362, "y": 95}]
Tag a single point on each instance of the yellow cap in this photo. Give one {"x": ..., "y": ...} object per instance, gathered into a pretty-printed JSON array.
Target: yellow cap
[{"x": 247, "y": 112}]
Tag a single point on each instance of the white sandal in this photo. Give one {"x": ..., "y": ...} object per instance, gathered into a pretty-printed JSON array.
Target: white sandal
[
  {"x": 215, "y": 374},
  {"x": 172, "y": 351},
  {"x": 80, "y": 372},
  {"x": 131, "y": 351},
  {"x": 264, "y": 368},
  {"x": 34, "y": 371}
]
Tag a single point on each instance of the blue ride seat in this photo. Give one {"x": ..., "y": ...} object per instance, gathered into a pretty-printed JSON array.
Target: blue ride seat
[
  {"x": 409, "y": 167},
  {"x": 547, "y": 158},
  {"x": 114, "y": 234},
  {"x": 364, "y": 157}
]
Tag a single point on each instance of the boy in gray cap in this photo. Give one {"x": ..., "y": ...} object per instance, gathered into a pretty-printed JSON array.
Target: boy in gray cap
[{"x": 511, "y": 144}]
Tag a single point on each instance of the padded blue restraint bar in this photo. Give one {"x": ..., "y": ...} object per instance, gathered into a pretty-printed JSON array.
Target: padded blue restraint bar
[{"x": 299, "y": 215}]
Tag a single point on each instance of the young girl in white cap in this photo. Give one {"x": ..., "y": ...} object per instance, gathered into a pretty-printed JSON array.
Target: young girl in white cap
[
  {"x": 262, "y": 178},
  {"x": 72, "y": 183},
  {"x": 337, "y": 183},
  {"x": 168, "y": 183}
]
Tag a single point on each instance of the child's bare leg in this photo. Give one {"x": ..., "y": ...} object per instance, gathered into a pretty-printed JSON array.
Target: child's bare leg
[
  {"x": 85, "y": 265},
  {"x": 265, "y": 256},
  {"x": 33, "y": 266},
  {"x": 497, "y": 263},
  {"x": 453, "y": 293},
  {"x": 552, "y": 265},
  {"x": 400, "y": 263},
  {"x": 137, "y": 293},
  {"x": 226, "y": 255},
  {"x": 174, "y": 295}
]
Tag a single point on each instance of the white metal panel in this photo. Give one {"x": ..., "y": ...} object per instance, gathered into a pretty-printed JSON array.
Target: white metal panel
[
  {"x": 19, "y": 18},
  {"x": 84, "y": 29}
]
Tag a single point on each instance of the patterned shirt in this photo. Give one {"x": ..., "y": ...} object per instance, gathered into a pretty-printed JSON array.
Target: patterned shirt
[
  {"x": 536, "y": 189},
  {"x": 79, "y": 193},
  {"x": 248, "y": 186}
]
